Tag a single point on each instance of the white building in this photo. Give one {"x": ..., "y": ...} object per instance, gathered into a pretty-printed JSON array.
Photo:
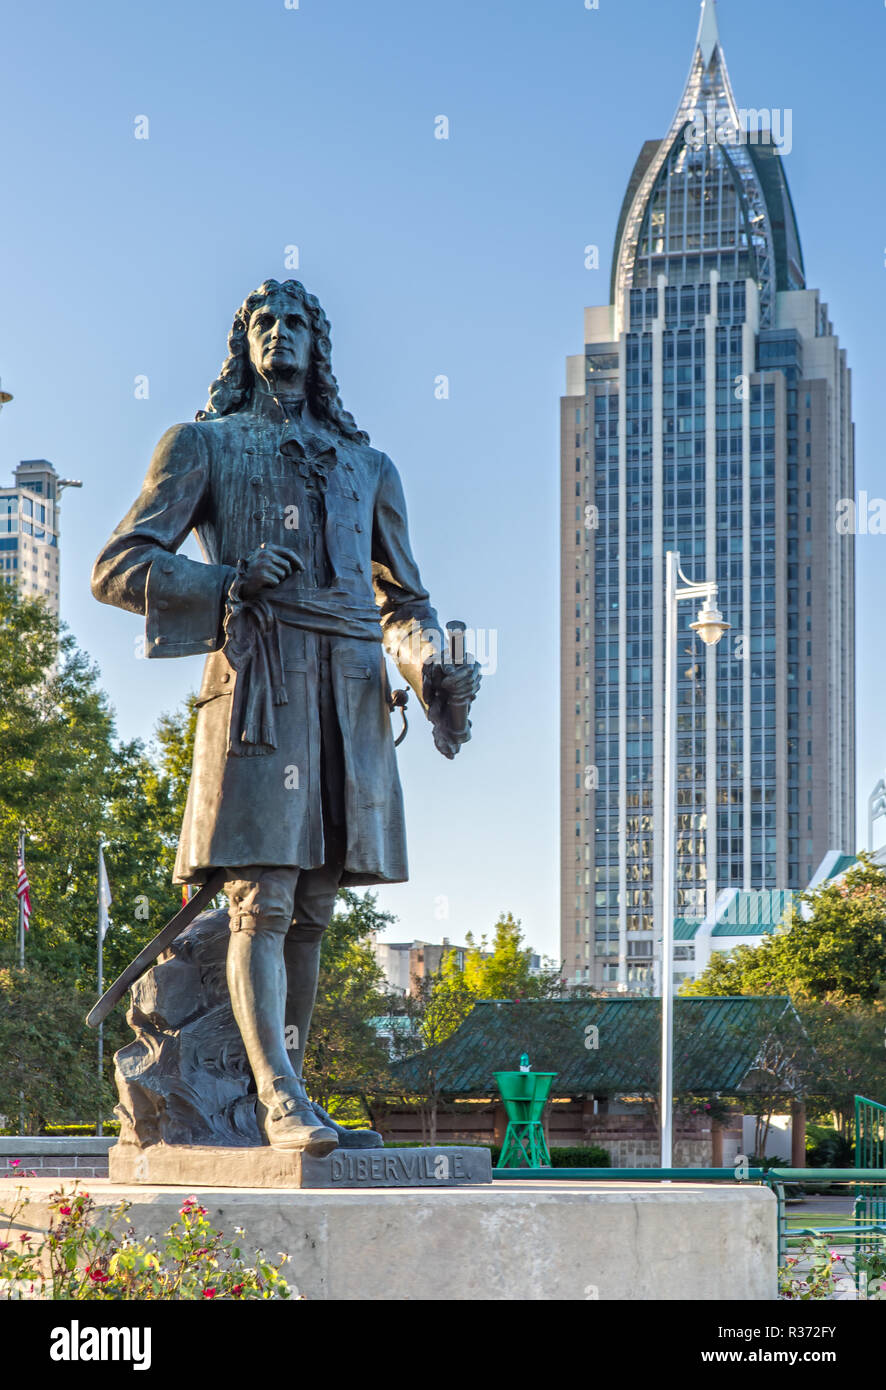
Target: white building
[{"x": 29, "y": 530}]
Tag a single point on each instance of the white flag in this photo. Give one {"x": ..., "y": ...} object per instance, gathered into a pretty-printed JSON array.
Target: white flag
[{"x": 104, "y": 894}]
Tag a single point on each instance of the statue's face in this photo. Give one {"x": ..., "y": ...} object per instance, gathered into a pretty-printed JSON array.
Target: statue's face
[{"x": 279, "y": 337}]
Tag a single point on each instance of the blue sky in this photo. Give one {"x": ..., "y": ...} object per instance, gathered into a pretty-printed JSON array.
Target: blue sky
[{"x": 314, "y": 127}]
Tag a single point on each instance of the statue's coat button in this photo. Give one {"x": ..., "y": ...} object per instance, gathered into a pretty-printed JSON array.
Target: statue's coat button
[
  {"x": 255, "y": 480},
  {"x": 167, "y": 569},
  {"x": 256, "y": 516},
  {"x": 162, "y": 603}
]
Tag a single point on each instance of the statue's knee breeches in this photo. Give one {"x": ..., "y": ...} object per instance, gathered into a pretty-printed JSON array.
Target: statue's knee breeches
[{"x": 262, "y": 900}]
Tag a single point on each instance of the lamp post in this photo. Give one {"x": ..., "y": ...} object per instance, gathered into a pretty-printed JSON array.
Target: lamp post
[{"x": 710, "y": 627}]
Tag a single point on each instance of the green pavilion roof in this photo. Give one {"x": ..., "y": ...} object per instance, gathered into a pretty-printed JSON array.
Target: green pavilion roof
[{"x": 717, "y": 1046}]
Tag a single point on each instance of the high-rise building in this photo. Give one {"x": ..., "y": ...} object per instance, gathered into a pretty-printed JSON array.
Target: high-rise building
[
  {"x": 29, "y": 531},
  {"x": 709, "y": 413}
]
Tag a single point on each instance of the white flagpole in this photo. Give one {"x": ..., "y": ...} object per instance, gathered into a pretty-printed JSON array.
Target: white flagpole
[
  {"x": 21, "y": 904},
  {"x": 21, "y": 954},
  {"x": 104, "y": 902}
]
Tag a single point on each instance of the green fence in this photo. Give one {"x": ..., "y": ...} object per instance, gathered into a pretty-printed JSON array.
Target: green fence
[
  {"x": 736, "y": 1175},
  {"x": 863, "y": 1227},
  {"x": 870, "y": 1152}
]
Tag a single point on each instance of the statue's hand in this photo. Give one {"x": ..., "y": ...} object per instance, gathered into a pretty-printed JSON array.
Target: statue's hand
[
  {"x": 267, "y": 567},
  {"x": 450, "y": 690}
]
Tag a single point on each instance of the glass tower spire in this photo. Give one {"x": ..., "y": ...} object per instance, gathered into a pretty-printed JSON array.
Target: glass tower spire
[
  {"x": 709, "y": 413},
  {"x": 700, "y": 202}
]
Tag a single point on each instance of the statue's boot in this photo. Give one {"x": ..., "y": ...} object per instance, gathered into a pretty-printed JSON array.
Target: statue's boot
[
  {"x": 288, "y": 1121},
  {"x": 257, "y": 983},
  {"x": 348, "y": 1138}
]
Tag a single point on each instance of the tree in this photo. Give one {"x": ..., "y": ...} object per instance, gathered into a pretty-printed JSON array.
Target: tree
[
  {"x": 436, "y": 1007},
  {"x": 505, "y": 972},
  {"x": 57, "y": 756},
  {"x": 66, "y": 779},
  {"x": 849, "y": 1043},
  {"x": 832, "y": 963},
  {"x": 440, "y": 1003},
  {"x": 838, "y": 951},
  {"x": 47, "y": 1072}
]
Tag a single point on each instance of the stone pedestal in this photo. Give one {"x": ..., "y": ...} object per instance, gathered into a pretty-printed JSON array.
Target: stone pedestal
[
  {"x": 510, "y": 1240},
  {"x": 192, "y": 1167}
]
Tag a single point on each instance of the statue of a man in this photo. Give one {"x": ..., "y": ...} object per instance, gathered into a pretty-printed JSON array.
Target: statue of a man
[{"x": 308, "y": 575}]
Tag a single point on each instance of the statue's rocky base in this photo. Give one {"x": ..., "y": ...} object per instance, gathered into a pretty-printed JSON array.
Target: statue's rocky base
[
  {"x": 180, "y": 1165},
  {"x": 184, "y": 1079}
]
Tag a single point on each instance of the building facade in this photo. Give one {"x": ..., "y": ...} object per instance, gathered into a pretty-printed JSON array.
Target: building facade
[
  {"x": 405, "y": 964},
  {"x": 29, "y": 531},
  {"x": 709, "y": 413}
]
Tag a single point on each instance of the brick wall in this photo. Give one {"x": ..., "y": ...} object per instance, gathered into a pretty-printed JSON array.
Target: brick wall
[{"x": 632, "y": 1141}]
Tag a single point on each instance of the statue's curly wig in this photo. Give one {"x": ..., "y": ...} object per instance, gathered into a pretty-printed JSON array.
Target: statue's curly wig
[{"x": 232, "y": 389}]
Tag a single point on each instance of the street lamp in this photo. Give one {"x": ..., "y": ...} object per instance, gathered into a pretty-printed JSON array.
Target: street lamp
[
  {"x": 710, "y": 627},
  {"x": 5, "y": 397}
]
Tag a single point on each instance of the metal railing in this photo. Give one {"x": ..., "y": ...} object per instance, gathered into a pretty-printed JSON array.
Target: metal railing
[
  {"x": 870, "y": 1153},
  {"x": 738, "y": 1175},
  {"x": 863, "y": 1226}
]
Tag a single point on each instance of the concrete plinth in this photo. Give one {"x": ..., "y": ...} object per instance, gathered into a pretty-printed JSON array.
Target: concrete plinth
[
  {"x": 525, "y": 1241},
  {"x": 195, "y": 1166}
]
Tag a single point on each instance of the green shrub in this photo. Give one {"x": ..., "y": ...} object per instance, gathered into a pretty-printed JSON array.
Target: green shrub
[
  {"x": 827, "y": 1148},
  {"x": 581, "y": 1156}
]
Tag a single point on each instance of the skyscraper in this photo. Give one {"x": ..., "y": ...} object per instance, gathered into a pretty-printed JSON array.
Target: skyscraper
[
  {"x": 29, "y": 531},
  {"x": 709, "y": 413}
]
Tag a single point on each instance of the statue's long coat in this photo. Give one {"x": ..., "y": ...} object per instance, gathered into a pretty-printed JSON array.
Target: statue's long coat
[{"x": 226, "y": 479}]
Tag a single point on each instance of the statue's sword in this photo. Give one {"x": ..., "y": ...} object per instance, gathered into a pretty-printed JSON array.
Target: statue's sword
[{"x": 145, "y": 959}]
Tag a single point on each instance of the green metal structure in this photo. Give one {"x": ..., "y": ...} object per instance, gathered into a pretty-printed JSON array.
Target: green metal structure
[
  {"x": 625, "y": 1175},
  {"x": 870, "y": 1152},
  {"x": 859, "y": 1234},
  {"x": 524, "y": 1094}
]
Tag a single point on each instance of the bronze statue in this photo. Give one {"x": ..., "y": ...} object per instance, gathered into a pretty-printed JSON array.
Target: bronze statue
[{"x": 308, "y": 575}]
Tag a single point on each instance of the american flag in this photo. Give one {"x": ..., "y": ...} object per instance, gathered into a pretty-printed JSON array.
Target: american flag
[{"x": 23, "y": 891}]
